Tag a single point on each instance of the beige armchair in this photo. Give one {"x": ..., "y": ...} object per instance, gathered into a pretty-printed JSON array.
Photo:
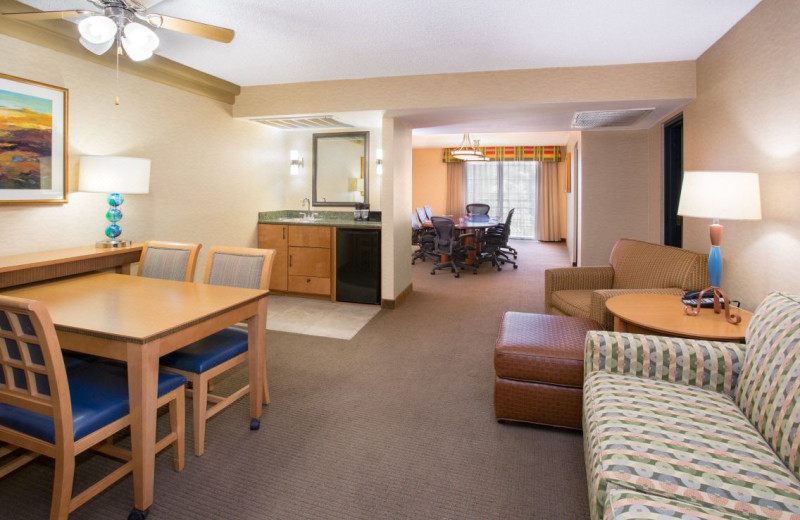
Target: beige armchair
[{"x": 636, "y": 266}]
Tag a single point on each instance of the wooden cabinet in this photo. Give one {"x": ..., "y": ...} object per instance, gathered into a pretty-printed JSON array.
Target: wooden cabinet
[
  {"x": 274, "y": 236},
  {"x": 303, "y": 257}
]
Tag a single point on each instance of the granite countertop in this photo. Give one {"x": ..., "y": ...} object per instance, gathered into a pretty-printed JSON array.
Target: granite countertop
[{"x": 324, "y": 218}]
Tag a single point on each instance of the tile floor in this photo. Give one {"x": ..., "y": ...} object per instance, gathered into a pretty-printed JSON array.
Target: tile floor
[{"x": 318, "y": 317}]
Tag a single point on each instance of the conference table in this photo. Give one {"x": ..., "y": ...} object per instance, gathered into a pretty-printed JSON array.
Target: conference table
[
  {"x": 465, "y": 224},
  {"x": 137, "y": 320}
]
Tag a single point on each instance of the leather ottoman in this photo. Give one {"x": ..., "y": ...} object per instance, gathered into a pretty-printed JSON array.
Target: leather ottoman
[{"x": 538, "y": 363}]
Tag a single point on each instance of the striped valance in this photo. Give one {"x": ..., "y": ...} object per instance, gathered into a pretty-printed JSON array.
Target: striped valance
[{"x": 513, "y": 153}]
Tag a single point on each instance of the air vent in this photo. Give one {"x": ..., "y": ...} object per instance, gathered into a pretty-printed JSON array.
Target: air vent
[
  {"x": 609, "y": 118},
  {"x": 302, "y": 123}
]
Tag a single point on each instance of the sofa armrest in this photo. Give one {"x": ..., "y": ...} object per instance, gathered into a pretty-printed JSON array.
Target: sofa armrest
[
  {"x": 566, "y": 278},
  {"x": 713, "y": 365},
  {"x": 600, "y": 313}
]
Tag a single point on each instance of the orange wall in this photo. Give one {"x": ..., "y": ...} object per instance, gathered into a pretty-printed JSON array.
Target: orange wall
[{"x": 429, "y": 180}]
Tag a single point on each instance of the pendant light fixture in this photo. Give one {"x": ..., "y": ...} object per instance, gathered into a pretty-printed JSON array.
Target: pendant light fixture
[
  {"x": 99, "y": 32},
  {"x": 467, "y": 151}
]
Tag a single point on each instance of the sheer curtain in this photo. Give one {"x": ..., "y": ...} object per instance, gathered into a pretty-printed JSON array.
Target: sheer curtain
[
  {"x": 455, "y": 189},
  {"x": 504, "y": 185},
  {"x": 547, "y": 203}
]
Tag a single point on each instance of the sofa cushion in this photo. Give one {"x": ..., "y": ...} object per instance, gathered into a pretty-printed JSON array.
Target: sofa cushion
[
  {"x": 639, "y": 265},
  {"x": 576, "y": 303},
  {"x": 769, "y": 386},
  {"x": 624, "y": 504},
  {"x": 680, "y": 442}
]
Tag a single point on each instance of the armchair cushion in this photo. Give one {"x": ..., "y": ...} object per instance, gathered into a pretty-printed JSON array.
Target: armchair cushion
[
  {"x": 712, "y": 365},
  {"x": 639, "y": 265}
]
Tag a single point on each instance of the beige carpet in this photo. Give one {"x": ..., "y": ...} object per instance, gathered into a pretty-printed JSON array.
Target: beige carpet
[{"x": 396, "y": 423}]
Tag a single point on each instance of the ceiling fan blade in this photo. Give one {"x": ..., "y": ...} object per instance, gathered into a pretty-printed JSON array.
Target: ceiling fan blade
[
  {"x": 49, "y": 15},
  {"x": 212, "y": 32}
]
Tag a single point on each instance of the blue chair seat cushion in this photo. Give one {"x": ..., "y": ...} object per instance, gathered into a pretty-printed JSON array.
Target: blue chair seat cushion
[
  {"x": 99, "y": 396},
  {"x": 209, "y": 352}
]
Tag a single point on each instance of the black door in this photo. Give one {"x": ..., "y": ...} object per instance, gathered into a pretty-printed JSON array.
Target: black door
[{"x": 673, "y": 177}]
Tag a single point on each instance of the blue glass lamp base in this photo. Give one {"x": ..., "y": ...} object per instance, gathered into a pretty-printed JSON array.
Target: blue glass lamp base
[{"x": 715, "y": 266}]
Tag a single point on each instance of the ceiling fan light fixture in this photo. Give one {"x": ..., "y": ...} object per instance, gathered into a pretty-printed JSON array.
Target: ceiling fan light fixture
[
  {"x": 140, "y": 36},
  {"x": 134, "y": 52},
  {"x": 97, "y": 29},
  {"x": 97, "y": 48}
]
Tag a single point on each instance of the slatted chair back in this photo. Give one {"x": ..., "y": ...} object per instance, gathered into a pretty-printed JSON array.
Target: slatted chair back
[
  {"x": 169, "y": 260},
  {"x": 245, "y": 267},
  {"x": 32, "y": 374},
  {"x": 428, "y": 211},
  {"x": 477, "y": 208}
]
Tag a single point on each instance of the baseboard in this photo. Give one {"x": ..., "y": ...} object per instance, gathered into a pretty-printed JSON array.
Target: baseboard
[{"x": 398, "y": 301}]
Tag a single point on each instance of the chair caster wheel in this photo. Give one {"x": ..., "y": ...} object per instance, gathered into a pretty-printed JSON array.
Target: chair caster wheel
[
  {"x": 516, "y": 267},
  {"x": 433, "y": 272},
  {"x": 138, "y": 514},
  {"x": 457, "y": 275},
  {"x": 255, "y": 424},
  {"x": 499, "y": 268}
]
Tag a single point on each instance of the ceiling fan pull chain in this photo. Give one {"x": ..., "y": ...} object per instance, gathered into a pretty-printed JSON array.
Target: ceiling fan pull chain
[{"x": 116, "y": 88}]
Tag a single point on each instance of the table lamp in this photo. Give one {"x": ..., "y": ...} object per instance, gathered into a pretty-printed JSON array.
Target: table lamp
[
  {"x": 719, "y": 195},
  {"x": 114, "y": 175}
]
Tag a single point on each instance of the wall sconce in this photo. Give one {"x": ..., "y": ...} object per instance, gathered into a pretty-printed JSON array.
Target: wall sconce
[
  {"x": 295, "y": 161},
  {"x": 379, "y": 161}
]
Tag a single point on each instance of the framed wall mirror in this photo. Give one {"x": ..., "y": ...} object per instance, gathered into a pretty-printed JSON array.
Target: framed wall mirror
[{"x": 341, "y": 169}]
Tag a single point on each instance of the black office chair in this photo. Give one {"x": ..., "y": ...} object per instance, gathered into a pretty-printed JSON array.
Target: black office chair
[
  {"x": 423, "y": 238},
  {"x": 447, "y": 244},
  {"x": 477, "y": 208},
  {"x": 493, "y": 242}
]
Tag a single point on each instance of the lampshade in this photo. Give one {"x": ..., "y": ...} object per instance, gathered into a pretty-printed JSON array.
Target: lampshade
[
  {"x": 114, "y": 174},
  {"x": 722, "y": 195},
  {"x": 97, "y": 29}
]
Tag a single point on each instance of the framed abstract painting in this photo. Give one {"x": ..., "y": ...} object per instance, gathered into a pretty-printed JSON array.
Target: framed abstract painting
[{"x": 33, "y": 142}]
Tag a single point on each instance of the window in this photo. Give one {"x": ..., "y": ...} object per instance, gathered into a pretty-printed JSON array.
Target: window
[{"x": 504, "y": 185}]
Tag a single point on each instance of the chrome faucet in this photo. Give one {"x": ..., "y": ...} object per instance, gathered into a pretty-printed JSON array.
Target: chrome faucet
[{"x": 303, "y": 203}]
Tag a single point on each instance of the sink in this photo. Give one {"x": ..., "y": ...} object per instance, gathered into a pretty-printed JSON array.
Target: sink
[{"x": 299, "y": 219}]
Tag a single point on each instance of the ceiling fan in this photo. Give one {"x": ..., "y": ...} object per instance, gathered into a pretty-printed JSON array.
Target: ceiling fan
[{"x": 127, "y": 23}]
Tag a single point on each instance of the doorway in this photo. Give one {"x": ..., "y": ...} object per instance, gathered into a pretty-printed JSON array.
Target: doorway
[{"x": 673, "y": 177}]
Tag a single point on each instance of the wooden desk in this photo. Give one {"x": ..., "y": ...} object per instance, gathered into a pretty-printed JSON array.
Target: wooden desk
[
  {"x": 663, "y": 314},
  {"x": 136, "y": 320},
  {"x": 47, "y": 265}
]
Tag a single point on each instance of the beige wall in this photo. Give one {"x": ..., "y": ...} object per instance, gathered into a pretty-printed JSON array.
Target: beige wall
[
  {"x": 670, "y": 80},
  {"x": 746, "y": 118},
  {"x": 395, "y": 200},
  {"x": 210, "y": 175},
  {"x": 429, "y": 180},
  {"x": 614, "y": 191}
]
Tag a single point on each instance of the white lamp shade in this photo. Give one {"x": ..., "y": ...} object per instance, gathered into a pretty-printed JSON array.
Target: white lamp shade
[
  {"x": 97, "y": 48},
  {"x": 722, "y": 195},
  {"x": 114, "y": 174},
  {"x": 97, "y": 29}
]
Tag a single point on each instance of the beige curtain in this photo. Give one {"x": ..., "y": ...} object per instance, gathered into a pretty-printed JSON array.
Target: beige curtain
[
  {"x": 547, "y": 203},
  {"x": 455, "y": 189}
]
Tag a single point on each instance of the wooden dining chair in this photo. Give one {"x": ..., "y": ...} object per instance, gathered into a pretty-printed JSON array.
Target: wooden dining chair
[
  {"x": 226, "y": 349},
  {"x": 47, "y": 410},
  {"x": 168, "y": 260}
]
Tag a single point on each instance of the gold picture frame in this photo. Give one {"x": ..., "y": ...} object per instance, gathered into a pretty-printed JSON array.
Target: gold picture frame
[{"x": 33, "y": 142}]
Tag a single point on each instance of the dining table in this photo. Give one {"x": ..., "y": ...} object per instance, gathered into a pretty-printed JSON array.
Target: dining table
[{"x": 136, "y": 320}]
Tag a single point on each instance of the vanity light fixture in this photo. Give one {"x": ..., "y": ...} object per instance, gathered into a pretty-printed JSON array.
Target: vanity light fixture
[
  {"x": 379, "y": 161},
  {"x": 295, "y": 161}
]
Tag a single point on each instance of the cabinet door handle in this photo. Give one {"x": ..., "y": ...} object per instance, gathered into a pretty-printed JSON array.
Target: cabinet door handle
[
  {"x": 284, "y": 232},
  {"x": 290, "y": 260}
]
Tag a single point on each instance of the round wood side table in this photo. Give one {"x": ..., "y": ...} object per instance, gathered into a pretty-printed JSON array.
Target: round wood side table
[{"x": 663, "y": 314}]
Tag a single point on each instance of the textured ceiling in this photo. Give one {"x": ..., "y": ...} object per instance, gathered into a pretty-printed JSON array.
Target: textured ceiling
[{"x": 287, "y": 41}]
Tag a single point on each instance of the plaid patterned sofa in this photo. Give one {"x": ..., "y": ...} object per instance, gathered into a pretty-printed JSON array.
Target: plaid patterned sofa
[
  {"x": 635, "y": 266},
  {"x": 678, "y": 428}
]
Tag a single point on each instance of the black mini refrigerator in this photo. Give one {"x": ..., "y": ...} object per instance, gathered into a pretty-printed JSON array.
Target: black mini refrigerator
[{"x": 358, "y": 265}]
